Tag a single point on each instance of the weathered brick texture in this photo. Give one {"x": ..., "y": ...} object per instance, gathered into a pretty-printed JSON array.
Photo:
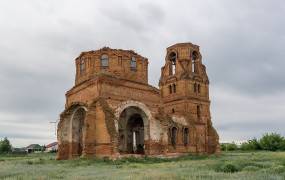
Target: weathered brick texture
[{"x": 112, "y": 110}]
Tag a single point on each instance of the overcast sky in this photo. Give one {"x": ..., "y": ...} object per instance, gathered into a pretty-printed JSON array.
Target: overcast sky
[{"x": 242, "y": 43}]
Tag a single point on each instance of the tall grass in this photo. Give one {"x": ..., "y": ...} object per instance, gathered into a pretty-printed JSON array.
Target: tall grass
[{"x": 234, "y": 165}]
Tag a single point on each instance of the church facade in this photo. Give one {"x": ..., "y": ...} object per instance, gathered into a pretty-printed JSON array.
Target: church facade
[{"x": 112, "y": 111}]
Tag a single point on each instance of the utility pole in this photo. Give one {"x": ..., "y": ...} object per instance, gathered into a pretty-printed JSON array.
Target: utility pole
[{"x": 55, "y": 123}]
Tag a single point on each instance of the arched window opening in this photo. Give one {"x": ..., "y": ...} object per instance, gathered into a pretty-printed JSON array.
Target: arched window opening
[
  {"x": 172, "y": 59},
  {"x": 195, "y": 87},
  {"x": 186, "y": 136},
  {"x": 104, "y": 61},
  {"x": 173, "y": 111},
  {"x": 174, "y": 88},
  {"x": 194, "y": 58},
  {"x": 82, "y": 66},
  {"x": 173, "y": 136},
  {"x": 170, "y": 89},
  {"x": 133, "y": 64},
  {"x": 198, "y": 112}
]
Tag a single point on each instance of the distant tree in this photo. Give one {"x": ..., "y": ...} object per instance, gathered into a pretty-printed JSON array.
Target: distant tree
[
  {"x": 272, "y": 142},
  {"x": 5, "y": 146},
  {"x": 232, "y": 147},
  {"x": 250, "y": 145},
  {"x": 229, "y": 146},
  {"x": 223, "y": 147},
  {"x": 282, "y": 146}
]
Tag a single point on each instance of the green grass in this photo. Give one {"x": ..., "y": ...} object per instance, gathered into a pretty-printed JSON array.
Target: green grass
[{"x": 230, "y": 165}]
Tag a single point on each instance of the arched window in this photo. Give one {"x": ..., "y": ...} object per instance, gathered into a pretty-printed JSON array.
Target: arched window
[
  {"x": 104, "y": 61},
  {"x": 133, "y": 63},
  {"x": 82, "y": 66},
  {"x": 198, "y": 112},
  {"x": 172, "y": 58},
  {"x": 174, "y": 88},
  {"x": 186, "y": 136},
  {"x": 195, "y": 87},
  {"x": 170, "y": 89},
  {"x": 173, "y": 136},
  {"x": 194, "y": 58}
]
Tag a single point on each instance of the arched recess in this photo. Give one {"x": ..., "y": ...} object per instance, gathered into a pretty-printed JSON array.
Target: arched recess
[
  {"x": 133, "y": 127},
  {"x": 76, "y": 131},
  {"x": 68, "y": 141}
]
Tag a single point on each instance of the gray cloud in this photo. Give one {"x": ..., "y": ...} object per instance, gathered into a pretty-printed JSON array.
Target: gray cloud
[
  {"x": 141, "y": 19},
  {"x": 241, "y": 42}
]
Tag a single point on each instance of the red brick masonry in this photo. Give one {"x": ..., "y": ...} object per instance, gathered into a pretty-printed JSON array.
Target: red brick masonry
[{"x": 112, "y": 111}]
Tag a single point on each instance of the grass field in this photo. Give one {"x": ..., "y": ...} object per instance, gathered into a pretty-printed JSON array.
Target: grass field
[{"x": 232, "y": 165}]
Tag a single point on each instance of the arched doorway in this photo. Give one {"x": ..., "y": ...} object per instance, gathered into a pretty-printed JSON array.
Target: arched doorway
[
  {"x": 77, "y": 122},
  {"x": 132, "y": 131}
]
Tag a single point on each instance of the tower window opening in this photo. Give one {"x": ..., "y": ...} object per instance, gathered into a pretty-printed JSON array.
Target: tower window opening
[
  {"x": 194, "y": 59},
  {"x": 195, "y": 87},
  {"x": 104, "y": 61},
  {"x": 198, "y": 112},
  {"x": 133, "y": 63},
  {"x": 172, "y": 59},
  {"x": 170, "y": 89},
  {"x": 174, "y": 88},
  {"x": 173, "y": 111}
]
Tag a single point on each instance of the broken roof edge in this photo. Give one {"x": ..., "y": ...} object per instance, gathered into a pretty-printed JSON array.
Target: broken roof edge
[{"x": 106, "y": 49}]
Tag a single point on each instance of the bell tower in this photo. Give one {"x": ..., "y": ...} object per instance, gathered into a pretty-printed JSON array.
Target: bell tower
[
  {"x": 184, "y": 89},
  {"x": 184, "y": 82}
]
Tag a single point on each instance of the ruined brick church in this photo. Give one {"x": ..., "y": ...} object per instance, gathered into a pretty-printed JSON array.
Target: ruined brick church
[{"x": 112, "y": 111}]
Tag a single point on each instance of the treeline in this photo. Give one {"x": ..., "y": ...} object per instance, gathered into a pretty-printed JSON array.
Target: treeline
[{"x": 269, "y": 142}]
